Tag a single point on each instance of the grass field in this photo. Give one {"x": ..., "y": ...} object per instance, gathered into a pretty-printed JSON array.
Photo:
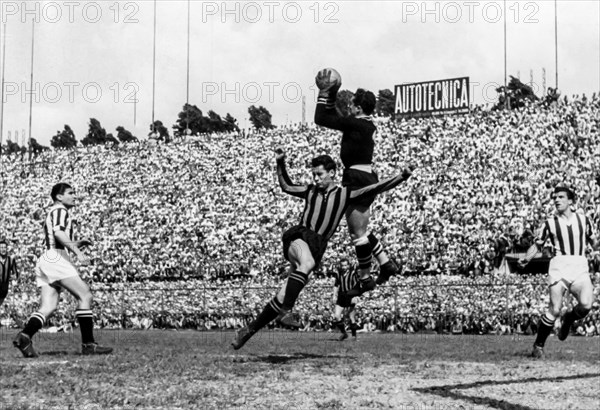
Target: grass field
[{"x": 293, "y": 370}]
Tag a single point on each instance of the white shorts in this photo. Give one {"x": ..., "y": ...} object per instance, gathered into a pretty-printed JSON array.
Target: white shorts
[
  {"x": 54, "y": 265},
  {"x": 566, "y": 269}
]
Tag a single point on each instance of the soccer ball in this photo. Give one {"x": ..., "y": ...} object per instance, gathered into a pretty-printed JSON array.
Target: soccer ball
[{"x": 334, "y": 80}]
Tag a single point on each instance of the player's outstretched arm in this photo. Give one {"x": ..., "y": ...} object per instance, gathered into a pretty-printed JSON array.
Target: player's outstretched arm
[
  {"x": 382, "y": 186},
  {"x": 327, "y": 116},
  {"x": 285, "y": 182}
]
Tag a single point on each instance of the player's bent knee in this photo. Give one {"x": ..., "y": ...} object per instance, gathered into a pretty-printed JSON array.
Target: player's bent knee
[
  {"x": 554, "y": 311},
  {"x": 307, "y": 266},
  {"x": 47, "y": 311},
  {"x": 356, "y": 231},
  {"x": 306, "y": 263}
]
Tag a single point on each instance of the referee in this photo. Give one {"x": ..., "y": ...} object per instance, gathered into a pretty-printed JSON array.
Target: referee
[
  {"x": 570, "y": 234},
  {"x": 305, "y": 243}
]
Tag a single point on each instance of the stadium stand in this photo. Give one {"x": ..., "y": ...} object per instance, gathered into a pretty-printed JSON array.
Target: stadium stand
[{"x": 187, "y": 234}]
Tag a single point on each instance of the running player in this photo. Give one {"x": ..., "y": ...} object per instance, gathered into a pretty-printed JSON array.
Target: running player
[
  {"x": 357, "y": 148},
  {"x": 346, "y": 279},
  {"x": 570, "y": 233},
  {"x": 55, "y": 270},
  {"x": 8, "y": 265},
  {"x": 304, "y": 244}
]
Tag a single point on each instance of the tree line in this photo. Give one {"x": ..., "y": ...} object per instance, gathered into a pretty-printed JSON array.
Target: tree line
[{"x": 190, "y": 121}]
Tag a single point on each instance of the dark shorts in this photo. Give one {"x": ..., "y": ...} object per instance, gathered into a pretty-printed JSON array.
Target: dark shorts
[
  {"x": 316, "y": 243},
  {"x": 355, "y": 179},
  {"x": 344, "y": 300}
]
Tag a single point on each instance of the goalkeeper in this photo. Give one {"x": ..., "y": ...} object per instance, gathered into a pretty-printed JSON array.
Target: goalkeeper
[{"x": 357, "y": 156}]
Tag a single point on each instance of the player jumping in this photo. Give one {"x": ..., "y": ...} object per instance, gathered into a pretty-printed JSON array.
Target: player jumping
[
  {"x": 55, "y": 270},
  {"x": 570, "y": 233},
  {"x": 357, "y": 156},
  {"x": 304, "y": 244}
]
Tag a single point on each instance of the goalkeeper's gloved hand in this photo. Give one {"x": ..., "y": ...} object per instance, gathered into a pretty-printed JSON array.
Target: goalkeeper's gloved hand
[{"x": 327, "y": 87}]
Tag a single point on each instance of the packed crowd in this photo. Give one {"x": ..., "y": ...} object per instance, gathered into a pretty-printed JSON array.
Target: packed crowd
[
  {"x": 441, "y": 304},
  {"x": 207, "y": 214}
]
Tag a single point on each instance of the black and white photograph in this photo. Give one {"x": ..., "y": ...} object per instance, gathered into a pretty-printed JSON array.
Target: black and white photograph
[{"x": 298, "y": 205}]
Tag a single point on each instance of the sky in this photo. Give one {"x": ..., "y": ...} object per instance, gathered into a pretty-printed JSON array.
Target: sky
[{"x": 93, "y": 59}]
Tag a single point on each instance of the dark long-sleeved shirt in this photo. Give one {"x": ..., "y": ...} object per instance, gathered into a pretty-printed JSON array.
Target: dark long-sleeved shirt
[{"x": 357, "y": 133}]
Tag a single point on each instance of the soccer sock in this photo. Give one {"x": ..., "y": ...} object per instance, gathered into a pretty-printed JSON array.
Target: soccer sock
[
  {"x": 546, "y": 326},
  {"x": 268, "y": 314},
  {"x": 35, "y": 323},
  {"x": 86, "y": 325},
  {"x": 577, "y": 313},
  {"x": 340, "y": 325},
  {"x": 377, "y": 249},
  {"x": 364, "y": 255},
  {"x": 295, "y": 284},
  {"x": 353, "y": 328}
]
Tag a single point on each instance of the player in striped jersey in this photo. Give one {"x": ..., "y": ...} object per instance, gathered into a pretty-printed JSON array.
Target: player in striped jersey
[
  {"x": 305, "y": 243},
  {"x": 357, "y": 148},
  {"x": 55, "y": 270},
  {"x": 8, "y": 265},
  {"x": 570, "y": 234},
  {"x": 346, "y": 279}
]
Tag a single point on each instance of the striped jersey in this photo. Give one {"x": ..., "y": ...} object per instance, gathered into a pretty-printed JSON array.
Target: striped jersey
[
  {"x": 568, "y": 236},
  {"x": 346, "y": 279},
  {"x": 6, "y": 267},
  {"x": 324, "y": 209},
  {"x": 57, "y": 219}
]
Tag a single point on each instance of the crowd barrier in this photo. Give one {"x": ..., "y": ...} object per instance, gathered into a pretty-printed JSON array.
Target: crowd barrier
[{"x": 489, "y": 301}]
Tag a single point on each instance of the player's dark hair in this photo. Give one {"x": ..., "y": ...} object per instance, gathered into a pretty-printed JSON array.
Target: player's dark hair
[
  {"x": 569, "y": 191},
  {"x": 59, "y": 189},
  {"x": 325, "y": 160},
  {"x": 365, "y": 100}
]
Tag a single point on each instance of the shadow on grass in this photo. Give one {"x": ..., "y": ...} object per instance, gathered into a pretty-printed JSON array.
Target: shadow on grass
[
  {"x": 337, "y": 340},
  {"x": 55, "y": 353},
  {"x": 449, "y": 390},
  {"x": 279, "y": 359}
]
